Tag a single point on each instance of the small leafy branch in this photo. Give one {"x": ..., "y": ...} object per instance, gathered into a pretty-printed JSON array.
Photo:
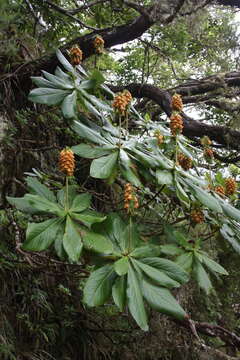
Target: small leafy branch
[{"x": 134, "y": 269}]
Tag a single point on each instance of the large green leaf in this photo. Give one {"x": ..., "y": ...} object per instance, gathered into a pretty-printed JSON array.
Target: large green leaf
[
  {"x": 169, "y": 268},
  {"x": 103, "y": 167},
  {"x": 119, "y": 292},
  {"x": 121, "y": 266},
  {"x": 69, "y": 105},
  {"x": 90, "y": 151},
  {"x": 158, "y": 277},
  {"x": 72, "y": 241},
  {"x": 57, "y": 81},
  {"x": 81, "y": 202},
  {"x": 135, "y": 300},
  {"x": 231, "y": 211},
  {"x": 113, "y": 228},
  {"x": 41, "y": 235},
  {"x": 127, "y": 169},
  {"x": 228, "y": 234},
  {"x": 43, "y": 83},
  {"x": 97, "y": 242},
  {"x": 146, "y": 251},
  {"x": 23, "y": 205},
  {"x": 164, "y": 177},
  {"x": 40, "y": 189},
  {"x": 88, "y": 217},
  {"x": 212, "y": 265},
  {"x": 64, "y": 61},
  {"x": 42, "y": 204},
  {"x": 207, "y": 199},
  {"x": 89, "y": 134},
  {"x": 69, "y": 193},
  {"x": 201, "y": 276},
  {"x": 63, "y": 75},
  {"x": 48, "y": 96},
  {"x": 161, "y": 299},
  {"x": 171, "y": 250},
  {"x": 98, "y": 286},
  {"x": 58, "y": 242},
  {"x": 185, "y": 261}
]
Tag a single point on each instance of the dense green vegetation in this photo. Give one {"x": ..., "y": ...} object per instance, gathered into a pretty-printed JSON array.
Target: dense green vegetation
[{"x": 119, "y": 213}]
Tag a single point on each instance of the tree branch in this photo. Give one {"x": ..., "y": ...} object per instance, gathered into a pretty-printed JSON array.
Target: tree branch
[{"x": 192, "y": 128}]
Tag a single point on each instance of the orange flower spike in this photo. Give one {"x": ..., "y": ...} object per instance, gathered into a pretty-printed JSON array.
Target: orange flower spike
[
  {"x": 76, "y": 55},
  {"x": 197, "y": 216},
  {"x": 231, "y": 186},
  {"x": 177, "y": 103},
  {"x": 176, "y": 124},
  {"x": 219, "y": 190},
  {"x": 67, "y": 162}
]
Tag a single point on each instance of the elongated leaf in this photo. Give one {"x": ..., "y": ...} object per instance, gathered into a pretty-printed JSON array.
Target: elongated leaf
[
  {"x": 48, "y": 96},
  {"x": 59, "y": 83},
  {"x": 201, "y": 277},
  {"x": 86, "y": 133},
  {"x": 127, "y": 169},
  {"x": 63, "y": 75},
  {"x": 41, "y": 235},
  {"x": 169, "y": 268},
  {"x": 119, "y": 292},
  {"x": 135, "y": 300},
  {"x": 69, "y": 105},
  {"x": 23, "y": 205},
  {"x": 213, "y": 266},
  {"x": 43, "y": 83},
  {"x": 158, "y": 277},
  {"x": 90, "y": 151},
  {"x": 81, "y": 202},
  {"x": 164, "y": 177},
  {"x": 71, "y": 194},
  {"x": 207, "y": 199},
  {"x": 72, "y": 241},
  {"x": 58, "y": 242},
  {"x": 171, "y": 250},
  {"x": 40, "y": 189},
  {"x": 100, "y": 104},
  {"x": 230, "y": 236},
  {"x": 231, "y": 211},
  {"x": 88, "y": 217},
  {"x": 42, "y": 204},
  {"x": 98, "y": 243},
  {"x": 185, "y": 261},
  {"x": 146, "y": 251},
  {"x": 161, "y": 299},
  {"x": 121, "y": 266},
  {"x": 181, "y": 193},
  {"x": 98, "y": 286},
  {"x": 64, "y": 61},
  {"x": 103, "y": 167}
]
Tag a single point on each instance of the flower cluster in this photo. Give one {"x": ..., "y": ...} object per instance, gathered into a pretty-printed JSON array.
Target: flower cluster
[
  {"x": 184, "y": 161},
  {"x": 208, "y": 153},
  {"x": 197, "y": 216},
  {"x": 130, "y": 198},
  {"x": 76, "y": 55},
  {"x": 176, "y": 124},
  {"x": 231, "y": 186},
  {"x": 177, "y": 103},
  {"x": 219, "y": 189},
  {"x": 98, "y": 44},
  {"x": 121, "y": 102},
  {"x": 67, "y": 162},
  {"x": 176, "y": 121},
  {"x": 159, "y": 137}
]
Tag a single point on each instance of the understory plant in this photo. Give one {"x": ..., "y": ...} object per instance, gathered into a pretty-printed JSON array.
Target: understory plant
[{"x": 157, "y": 170}]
